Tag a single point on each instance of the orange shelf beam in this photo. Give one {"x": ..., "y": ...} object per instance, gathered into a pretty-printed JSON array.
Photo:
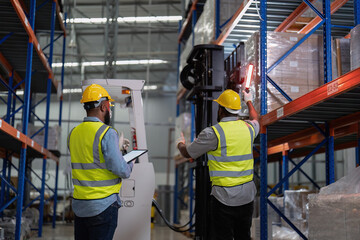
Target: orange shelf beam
[
  {"x": 59, "y": 16},
  {"x": 334, "y": 7},
  {"x": 19, "y": 136},
  {"x": 32, "y": 38},
  {"x": 5, "y": 63},
  {"x": 329, "y": 90},
  {"x": 291, "y": 19}
]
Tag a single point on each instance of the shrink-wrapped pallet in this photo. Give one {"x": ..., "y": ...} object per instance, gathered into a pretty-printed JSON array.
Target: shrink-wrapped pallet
[
  {"x": 334, "y": 213},
  {"x": 297, "y": 74},
  {"x": 355, "y": 47}
]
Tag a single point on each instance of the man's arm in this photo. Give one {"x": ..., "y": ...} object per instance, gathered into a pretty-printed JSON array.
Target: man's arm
[
  {"x": 206, "y": 141},
  {"x": 113, "y": 158},
  {"x": 253, "y": 114},
  {"x": 182, "y": 148}
]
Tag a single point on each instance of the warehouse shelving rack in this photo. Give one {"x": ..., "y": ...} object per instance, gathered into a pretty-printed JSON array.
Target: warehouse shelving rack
[
  {"x": 318, "y": 122},
  {"x": 22, "y": 60}
]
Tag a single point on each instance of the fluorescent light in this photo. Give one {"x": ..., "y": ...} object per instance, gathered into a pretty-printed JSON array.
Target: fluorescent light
[
  {"x": 150, "y": 87},
  {"x": 119, "y": 62},
  {"x": 144, "y": 19},
  {"x": 72, "y": 90}
]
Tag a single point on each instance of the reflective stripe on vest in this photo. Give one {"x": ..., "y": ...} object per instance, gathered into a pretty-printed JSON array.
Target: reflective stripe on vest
[
  {"x": 91, "y": 179},
  {"x": 232, "y": 162}
]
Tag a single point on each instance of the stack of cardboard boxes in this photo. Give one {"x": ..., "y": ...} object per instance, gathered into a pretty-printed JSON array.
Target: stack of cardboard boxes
[{"x": 299, "y": 73}]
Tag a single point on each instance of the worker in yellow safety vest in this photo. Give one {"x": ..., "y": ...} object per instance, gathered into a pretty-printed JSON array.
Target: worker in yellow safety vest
[
  {"x": 229, "y": 148},
  {"x": 97, "y": 168}
]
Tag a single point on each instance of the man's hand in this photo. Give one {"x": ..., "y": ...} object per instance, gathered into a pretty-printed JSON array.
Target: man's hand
[
  {"x": 181, "y": 139},
  {"x": 124, "y": 143},
  {"x": 247, "y": 96}
]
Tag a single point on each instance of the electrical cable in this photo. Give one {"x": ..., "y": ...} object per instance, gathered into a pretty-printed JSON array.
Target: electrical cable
[{"x": 171, "y": 226}]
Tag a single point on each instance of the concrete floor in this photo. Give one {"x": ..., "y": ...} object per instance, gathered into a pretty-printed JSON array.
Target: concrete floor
[{"x": 65, "y": 231}]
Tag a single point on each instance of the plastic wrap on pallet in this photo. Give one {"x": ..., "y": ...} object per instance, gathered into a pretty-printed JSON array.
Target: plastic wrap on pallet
[
  {"x": 341, "y": 46},
  {"x": 54, "y": 135},
  {"x": 296, "y": 75},
  {"x": 205, "y": 26},
  {"x": 284, "y": 233},
  {"x": 348, "y": 184},
  {"x": 273, "y": 217},
  {"x": 295, "y": 203},
  {"x": 355, "y": 47},
  {"x": 334, "y": 213},
  {"x": 333, "y": 217},
  {"x": 30, "y": 218}
]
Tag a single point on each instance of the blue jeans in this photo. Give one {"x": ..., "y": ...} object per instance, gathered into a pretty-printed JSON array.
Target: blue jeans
[{"x": 99, "y": 227}]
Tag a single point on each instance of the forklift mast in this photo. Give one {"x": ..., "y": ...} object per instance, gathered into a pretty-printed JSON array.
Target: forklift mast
[{"x": 203, "y": 76}]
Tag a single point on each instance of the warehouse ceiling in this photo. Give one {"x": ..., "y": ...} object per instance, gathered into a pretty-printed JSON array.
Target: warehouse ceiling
[
  {"x": 141, "y": 40},
  {"x": 154, "y": 41}
]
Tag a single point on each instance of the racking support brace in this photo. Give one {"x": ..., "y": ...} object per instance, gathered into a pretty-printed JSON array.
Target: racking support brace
[{"x": 285, "y": 168}]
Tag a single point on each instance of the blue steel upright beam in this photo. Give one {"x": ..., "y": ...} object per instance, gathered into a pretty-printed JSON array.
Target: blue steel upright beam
[
  {"x": 217, "y": 19},
  {"x": 327, "y": 41},
  {"x": 329, "y": 162},
  {"x": 356, "y": 12},
  {"x": 357, "y": 149},
  {"x": 5, "y": 160},
  {"x": 191, "y": 176},
  {"x": 60, "y": 120},
  {"x": 285, "y": 169},
  {"x": 11, "y": 78},
  {"x": 176, "y": 187},
  {"x": 25, "y": 121},
  {"x": 193, "y": 23},
  {"x": 263, "y": 133},
  {"x": 48, "y": 95},
  {"x": 191, "y": 172}
]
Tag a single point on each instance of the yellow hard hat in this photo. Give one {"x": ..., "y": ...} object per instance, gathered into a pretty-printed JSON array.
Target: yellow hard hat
[
  {"x": 93, "y": 93},
  {"x": 229, "y": 99}
]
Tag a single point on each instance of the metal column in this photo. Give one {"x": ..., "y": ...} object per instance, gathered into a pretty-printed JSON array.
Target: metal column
[
  {"x": 25, "y": 121},
  {"x": 263, "y": 132},
  {"x": 176, "y": 187},
  {"x": 356, "y": 12},
  {"x": 111, "y": 32},
  {"x": 217, "y": 19},
  {"x": 327, "y": 41},
  {"x": 49, "y": 84},
  {"x": 60, "y": 120},
  {"x": 285, "y": 168}
]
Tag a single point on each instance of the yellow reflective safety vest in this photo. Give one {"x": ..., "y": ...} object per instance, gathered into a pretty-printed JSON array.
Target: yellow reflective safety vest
[
  {"x": 232, "y": 163},
  {"x": 90, "y": 177}
]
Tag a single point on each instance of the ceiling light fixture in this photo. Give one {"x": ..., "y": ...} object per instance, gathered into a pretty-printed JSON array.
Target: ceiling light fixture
[
  {"x": 144, "y": 19},
  {"x": 119, "y": 63}
]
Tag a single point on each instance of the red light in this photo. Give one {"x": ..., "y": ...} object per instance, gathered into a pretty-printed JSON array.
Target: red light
[{"x": 249, "y": 76}]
